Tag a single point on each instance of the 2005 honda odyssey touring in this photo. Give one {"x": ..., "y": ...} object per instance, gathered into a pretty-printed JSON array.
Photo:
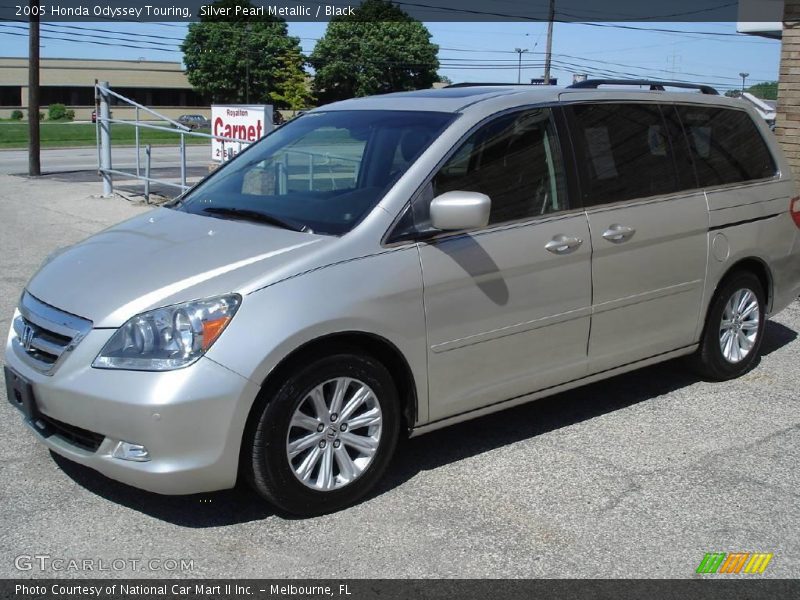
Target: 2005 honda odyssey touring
[{"x": 394, "y": 264}]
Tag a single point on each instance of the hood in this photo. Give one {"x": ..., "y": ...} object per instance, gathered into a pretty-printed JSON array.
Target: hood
[{"x": 164, "y": 257}]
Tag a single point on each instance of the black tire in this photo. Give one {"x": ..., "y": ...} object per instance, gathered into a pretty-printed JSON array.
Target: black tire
[
  {"x": 709, "y": 360},
  {"x": 266, "y": 463}
]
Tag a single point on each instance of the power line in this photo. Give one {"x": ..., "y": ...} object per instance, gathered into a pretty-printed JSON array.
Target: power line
[
  {"x": 118, "y": 35},
  {"x": 52, "y": 37},
  {"x": 124, "y": 33},
  {"x": 120, "y": 38},
  {"x": 543, "y": 19},
  {"x": 621, "y": 17}
]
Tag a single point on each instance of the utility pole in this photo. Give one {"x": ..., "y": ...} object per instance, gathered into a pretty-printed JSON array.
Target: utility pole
[
  {"x": 520, "y": 51},
  {"x": 247, "y": 63},
  {"x": 34, "y": 164},
  {"x": 103, "y": 115},
  {"x": 550, "y": 18},
  {"x": 744, "y": 78}
]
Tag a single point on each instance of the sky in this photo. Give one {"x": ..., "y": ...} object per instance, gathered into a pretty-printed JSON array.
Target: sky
[{"x": 477, "y": 51}]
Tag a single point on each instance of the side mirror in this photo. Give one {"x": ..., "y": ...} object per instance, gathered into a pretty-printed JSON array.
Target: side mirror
[{"x": 453, "y": 211}]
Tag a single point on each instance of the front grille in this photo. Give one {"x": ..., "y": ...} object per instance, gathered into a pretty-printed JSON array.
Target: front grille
[
  {"x": 83, "y": 438},
  {"x": 43, "y": 334}
]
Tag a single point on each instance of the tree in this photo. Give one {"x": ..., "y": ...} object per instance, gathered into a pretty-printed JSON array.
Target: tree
[
  {"x": 767, "y": 90},
  {"x": 240, "y": 59},
  {"x": 376, "y": 50},
  {"x": 293, "y": 92}
]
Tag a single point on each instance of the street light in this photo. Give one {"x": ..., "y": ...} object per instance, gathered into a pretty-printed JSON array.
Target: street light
[
  {"x": 744, "y": 77},
  {"x": 520, "y": 51}
]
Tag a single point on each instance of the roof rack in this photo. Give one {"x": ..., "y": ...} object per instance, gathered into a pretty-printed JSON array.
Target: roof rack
[
  {"x": 482, "y": 83},
  {"x": 654, "y": 85}
]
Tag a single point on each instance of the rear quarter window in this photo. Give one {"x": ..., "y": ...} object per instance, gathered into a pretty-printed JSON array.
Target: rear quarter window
[{"x": 725, "y": 145}]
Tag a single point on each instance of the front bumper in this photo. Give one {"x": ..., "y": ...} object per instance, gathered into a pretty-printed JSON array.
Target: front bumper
[{"x": 191, "y": 420}]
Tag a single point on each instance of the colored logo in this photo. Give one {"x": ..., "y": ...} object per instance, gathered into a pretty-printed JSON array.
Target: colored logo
[{"x": 734, "y": 562}]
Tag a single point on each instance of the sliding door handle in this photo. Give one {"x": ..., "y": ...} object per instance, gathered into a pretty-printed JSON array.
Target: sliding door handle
[{"x": 618, "y": 233}]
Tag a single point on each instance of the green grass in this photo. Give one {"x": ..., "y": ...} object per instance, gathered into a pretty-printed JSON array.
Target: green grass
[{"x": 61, "y": 135}]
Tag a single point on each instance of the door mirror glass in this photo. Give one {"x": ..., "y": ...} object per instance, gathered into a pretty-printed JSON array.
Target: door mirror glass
[{"x": 456, "y": 210}]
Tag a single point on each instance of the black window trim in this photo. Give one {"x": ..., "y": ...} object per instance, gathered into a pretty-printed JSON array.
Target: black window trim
[
  {"x": 567, "y": 161},
  {"x": 684, "y": 139}
]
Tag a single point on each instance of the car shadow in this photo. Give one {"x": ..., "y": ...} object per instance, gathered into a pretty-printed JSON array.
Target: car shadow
[
  {"x": 197, "y": 511},
  {"x": 776, "y": 336},
  {"x": 428, "y": 452}
]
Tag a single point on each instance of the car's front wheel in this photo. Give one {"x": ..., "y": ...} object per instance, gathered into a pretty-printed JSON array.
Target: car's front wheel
[{"x": 326, "y": 436}]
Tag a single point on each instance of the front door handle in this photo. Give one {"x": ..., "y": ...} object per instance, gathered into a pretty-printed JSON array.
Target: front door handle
[
  {"x": 563, "y": 244},
  {"x": 618, "y": 233}
]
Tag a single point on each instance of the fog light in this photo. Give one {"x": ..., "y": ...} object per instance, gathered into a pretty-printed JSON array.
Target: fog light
[{"x": 128, "y": 451}]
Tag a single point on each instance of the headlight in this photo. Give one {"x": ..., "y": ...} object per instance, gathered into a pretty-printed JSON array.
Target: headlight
[{"x": 168, "y": 338}]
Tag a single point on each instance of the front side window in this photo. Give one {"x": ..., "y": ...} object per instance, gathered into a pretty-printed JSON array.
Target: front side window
[
  {"x": 515, "y": 161},
  {"x": 725, "y": 145},
  {"x": 322, "y": 172},
  {"x": 625, "y": 150}
]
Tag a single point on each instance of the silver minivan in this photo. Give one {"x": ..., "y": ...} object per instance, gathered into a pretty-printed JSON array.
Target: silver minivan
[{"x": 391, "y": 265}]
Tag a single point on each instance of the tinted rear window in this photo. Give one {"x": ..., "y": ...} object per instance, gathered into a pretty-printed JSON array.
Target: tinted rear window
[
  {"x": 625, "y": 150},
  {"x": 725, "y": 145}
]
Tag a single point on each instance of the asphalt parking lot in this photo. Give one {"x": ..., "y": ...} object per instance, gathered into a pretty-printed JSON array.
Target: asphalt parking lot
[{"x": 637, "y": 476}]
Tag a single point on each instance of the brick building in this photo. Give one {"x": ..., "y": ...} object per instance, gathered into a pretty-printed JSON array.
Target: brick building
[
  {"x": 781, "y": 20},
  {"x": 787, "y": 123}
]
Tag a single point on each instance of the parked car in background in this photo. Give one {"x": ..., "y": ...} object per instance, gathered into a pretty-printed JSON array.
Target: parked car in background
[
  {"x": 194, "y": 121},
  {"x": 392, "y": 265},
  {"x": 94, "y": 115}
]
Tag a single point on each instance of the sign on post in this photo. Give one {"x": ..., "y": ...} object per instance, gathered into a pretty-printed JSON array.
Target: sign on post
[{"x": 242, "y": 122}]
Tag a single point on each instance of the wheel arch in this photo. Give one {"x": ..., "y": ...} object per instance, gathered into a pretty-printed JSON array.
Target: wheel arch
[
  {"x": 705, "y": 360},
  {"x": 374, "y": 345},
  {"x": 749, "y": 264},
  {"x": 758, "y": 267}
]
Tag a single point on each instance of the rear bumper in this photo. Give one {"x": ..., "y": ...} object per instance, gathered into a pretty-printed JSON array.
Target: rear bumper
[
  {"x": 786, "y": 274},
  {"x": 190, "y": 420}
]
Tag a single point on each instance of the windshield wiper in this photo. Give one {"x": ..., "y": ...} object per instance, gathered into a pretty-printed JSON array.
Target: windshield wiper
[{"x": 247, "y": 214}]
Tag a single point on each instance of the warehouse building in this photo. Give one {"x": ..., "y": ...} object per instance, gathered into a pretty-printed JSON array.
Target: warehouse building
[{"x": 160, "y": 85}]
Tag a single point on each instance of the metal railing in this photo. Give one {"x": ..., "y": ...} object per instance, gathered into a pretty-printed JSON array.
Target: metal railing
[
  {"x": 103, "y": 122},
  {"x": 324, "y": 169}
]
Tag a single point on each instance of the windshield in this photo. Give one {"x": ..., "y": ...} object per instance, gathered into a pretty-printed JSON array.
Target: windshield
[{"x": 322, "y": 172}]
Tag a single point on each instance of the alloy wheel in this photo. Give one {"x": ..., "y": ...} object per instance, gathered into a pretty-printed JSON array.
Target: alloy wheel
[
  {"x": 334, "y": 434},
  {"x": 739, "y": 326}
]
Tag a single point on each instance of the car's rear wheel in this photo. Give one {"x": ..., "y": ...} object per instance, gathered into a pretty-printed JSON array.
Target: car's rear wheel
[
  {"x": 734, "y": 329},
  {"x": 326, "y": 436}
]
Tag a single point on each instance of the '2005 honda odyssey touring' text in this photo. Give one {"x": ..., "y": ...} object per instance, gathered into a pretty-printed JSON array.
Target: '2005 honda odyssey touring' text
[{"x": 391, "y": 265}]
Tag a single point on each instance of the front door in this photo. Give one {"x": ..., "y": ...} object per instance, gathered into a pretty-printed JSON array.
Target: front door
[{"x": 507, "y": 306}]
